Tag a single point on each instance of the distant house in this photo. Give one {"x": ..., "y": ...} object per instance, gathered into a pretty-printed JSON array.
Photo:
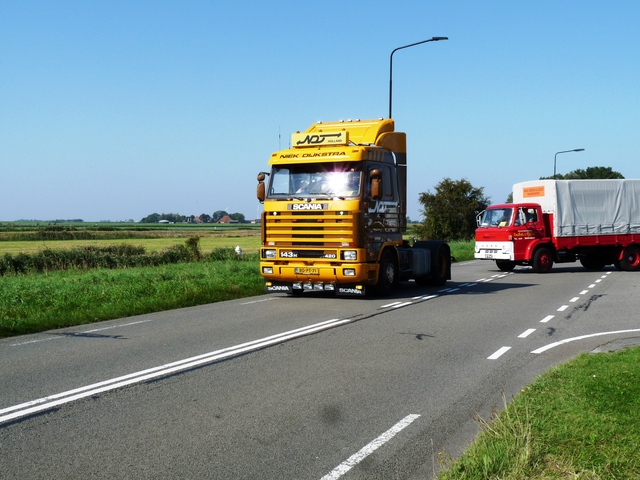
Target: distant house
[
  {"x": 197, "y": 220},
  {"x": 227, "y": 219}
]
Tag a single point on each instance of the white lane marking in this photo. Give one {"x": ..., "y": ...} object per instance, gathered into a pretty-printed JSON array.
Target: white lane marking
[
  {"x": 498, "y": 353},
  {"x": 563, "y": 308},
  {"x": 526, "y": 333},
  {"x": 546, "y": 319},
  {"x": 403, "y": 304},
  {"x": 598, "y": 280},
  {"x": 584, "y": 292},
  {"x": 367, "y": 450},
  {"x": 390, "y": 304},
  {"x": 574, "y": 299},
  {"x": 259, "y": 301},
  {"x": 425, "y": 297},
  {"x": 592, "y": 285},
  {"x": 57, "y": 336},
  {"x": 50, "y": 401},
  {"x": 562, "y": 342}
]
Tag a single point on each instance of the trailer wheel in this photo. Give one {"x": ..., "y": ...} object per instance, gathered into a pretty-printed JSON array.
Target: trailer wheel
[
  {"x": 505, "y": 265},
  {"x": 630, "y": 261},
  {"x": 387, "y": 275},
  {"x": 542, "y": 260}
]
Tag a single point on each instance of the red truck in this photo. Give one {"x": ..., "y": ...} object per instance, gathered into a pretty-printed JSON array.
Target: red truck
[{"x": 594, "y": 221}]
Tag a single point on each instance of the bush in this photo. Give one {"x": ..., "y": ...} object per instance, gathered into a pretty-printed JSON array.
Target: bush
[{"x": 112, "y": 257}]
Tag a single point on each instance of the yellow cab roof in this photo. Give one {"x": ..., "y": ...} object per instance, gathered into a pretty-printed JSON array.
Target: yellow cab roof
[{"x": 359, "y": 134}]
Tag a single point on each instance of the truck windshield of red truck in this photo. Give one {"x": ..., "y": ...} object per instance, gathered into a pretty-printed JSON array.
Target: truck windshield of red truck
[{"x": 496, "y": 217}]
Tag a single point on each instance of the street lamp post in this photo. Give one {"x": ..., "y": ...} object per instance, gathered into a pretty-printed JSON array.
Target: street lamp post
[
  {"x": 432, "y": 39},
  {"x": 564, "y": 151}
]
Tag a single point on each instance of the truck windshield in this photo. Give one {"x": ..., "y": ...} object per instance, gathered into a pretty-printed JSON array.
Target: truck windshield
[
  {"x": 317, "y": 180},
  {"x": 496, "y": 217}
]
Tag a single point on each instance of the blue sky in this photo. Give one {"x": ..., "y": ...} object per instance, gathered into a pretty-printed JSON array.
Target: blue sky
[{"x": 112, "y": 110}]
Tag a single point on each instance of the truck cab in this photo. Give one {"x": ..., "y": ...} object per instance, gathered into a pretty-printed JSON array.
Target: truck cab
[
  {"x": 508, "y": 233},
  {"x": 335, "y": 213}
]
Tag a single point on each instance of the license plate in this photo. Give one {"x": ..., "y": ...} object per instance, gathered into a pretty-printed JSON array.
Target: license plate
[
  {"x": 307, "y": 271},
  {"x": 488, "y": 255}
]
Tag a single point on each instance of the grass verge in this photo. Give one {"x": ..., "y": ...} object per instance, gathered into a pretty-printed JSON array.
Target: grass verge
[
  {"x": 34, "y": 303},
  {"x": 578, "y": 421}
]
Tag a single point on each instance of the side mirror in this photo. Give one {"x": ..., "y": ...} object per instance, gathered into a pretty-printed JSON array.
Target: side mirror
[{"x": 261, "y": 188}]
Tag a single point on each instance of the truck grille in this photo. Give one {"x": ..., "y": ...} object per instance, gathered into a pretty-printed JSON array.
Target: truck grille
[{"x": 310, "y": 229}]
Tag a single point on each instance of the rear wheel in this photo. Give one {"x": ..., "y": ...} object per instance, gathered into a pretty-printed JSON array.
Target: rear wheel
[
  {"x": 387, "y": 275},
  {"x": 630, "y": 261},
  {"x": 505, "y": 265},
  {"x": 542, "y": 260},
  {"x": 440, "y": 267}
]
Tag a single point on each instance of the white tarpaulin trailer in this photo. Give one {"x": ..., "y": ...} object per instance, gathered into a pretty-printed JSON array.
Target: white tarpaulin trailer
[{"x": 585, "y": 207}]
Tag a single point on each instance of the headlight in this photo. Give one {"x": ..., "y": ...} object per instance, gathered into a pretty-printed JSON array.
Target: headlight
[
  {"x": 267, "y": 270},
  {"x": 349, "y": 272},
  {"x": 269, "y": 254},
  {"x": 351, "y": 255}
]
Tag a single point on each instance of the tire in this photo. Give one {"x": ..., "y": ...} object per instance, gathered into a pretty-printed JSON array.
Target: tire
[
  {"x": 505, "y": 265},
  {"x": 630, "y": 261},
  {"x": 542, "y": 260},
  {"x": 592, "y": 263},
  {"x": 440, "y": 267},
  {"x": 387, "y": 274},
  {"x": 440, "y": 263}
]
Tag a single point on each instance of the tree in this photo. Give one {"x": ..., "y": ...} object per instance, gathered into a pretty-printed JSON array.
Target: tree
[
  {"x": 589, "y": 173},
  {"x": 218, "y": 215},
  {"x": 450, "y": 212},
  {"x": 237, "y": 216},
  {"x": 205, "y": 218},
  {"x": 153, "y": 218}
]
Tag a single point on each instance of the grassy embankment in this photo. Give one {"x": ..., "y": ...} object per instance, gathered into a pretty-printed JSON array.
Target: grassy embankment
[
  {"x": 578, "y": 421},
  {"x": 55, "y": 276}
]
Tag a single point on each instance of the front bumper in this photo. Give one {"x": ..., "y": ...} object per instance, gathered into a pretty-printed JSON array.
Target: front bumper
[{"x": 494, "y": 251}]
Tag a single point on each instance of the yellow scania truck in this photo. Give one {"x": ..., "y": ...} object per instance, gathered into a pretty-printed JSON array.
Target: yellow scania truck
[{"x": 335, "y": 206}]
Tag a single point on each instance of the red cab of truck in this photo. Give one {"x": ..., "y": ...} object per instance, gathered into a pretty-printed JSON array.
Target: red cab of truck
[{"x": 554, "y": 221}]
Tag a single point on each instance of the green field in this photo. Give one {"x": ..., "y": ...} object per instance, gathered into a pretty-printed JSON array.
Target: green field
[
  {"x": 29, "y": 238},
  {"x": 248, "y": 243}
]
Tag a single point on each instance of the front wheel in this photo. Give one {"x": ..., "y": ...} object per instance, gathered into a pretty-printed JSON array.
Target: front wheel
[
  {"x": 630, "y": 261},
  {"x": 505, "y": 265},
  {"x": 542, "y": 260},
  {"x": 387, "y": 275}
]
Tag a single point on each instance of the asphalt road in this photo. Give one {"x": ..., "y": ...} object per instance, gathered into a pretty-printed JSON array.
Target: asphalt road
[{"x": 311, "y": 387}]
